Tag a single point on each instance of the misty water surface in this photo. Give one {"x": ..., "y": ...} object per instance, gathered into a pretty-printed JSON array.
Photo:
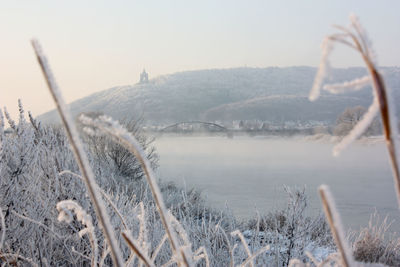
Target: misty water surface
[{"x": 249, "y": 173}]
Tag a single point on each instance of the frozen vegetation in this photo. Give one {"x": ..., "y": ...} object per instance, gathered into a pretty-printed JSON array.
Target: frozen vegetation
[
  {"x": 68, "y": 202},
  {"x": 40, "y": 177}
]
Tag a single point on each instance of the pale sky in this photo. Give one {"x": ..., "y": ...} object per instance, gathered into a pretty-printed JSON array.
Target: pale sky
[{"x": 95, "y": 45}]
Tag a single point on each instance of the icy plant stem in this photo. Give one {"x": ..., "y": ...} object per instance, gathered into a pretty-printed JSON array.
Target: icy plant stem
[
  {"x": 231, "y": 264},
  {"x": 105, "y": 195},
  {"x": 356, "y": 38},
  {"x": 132, "y": 145},
  {"x": 388, "y": 121},
  {"x": 252, "y": 257},
  {"x": 386, "y": 110},
  {"x": 359, "y": 129},
  {"x": 136, "y": 248},
  {"x": 17, "y": 256},
  {"x": 80, "y": 156},
  {"x": 3, "y": 229},
  {"x": 157, "y": 250},
  {"x": 246, "y": 247},
  {"x": 335, "y": 224}
]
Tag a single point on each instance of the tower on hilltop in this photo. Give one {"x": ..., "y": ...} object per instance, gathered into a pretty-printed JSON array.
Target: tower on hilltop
[{"x": 144, "y": 77}]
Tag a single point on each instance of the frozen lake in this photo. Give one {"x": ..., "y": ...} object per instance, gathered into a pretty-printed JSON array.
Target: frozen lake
[{"x": 249, "y": 173}]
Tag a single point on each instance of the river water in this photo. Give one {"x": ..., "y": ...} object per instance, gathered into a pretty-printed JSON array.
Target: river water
[{"x": 249, "y": 173}]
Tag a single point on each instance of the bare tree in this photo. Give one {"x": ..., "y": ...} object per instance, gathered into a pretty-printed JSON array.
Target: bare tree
[
  {"x": 112, "y": 153},
  {"x": 350, "y": 117}
]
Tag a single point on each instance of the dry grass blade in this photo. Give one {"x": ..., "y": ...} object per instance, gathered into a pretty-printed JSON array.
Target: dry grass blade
[
  {"x": 228, "y": 244},
  {"x": 14, "y": 259},
  {"x": 251, "y": 257},
  {"x": 80, "y": 156},
  {"x": 37, "y": 223},
  {"x": 245, "y": 246},
  {"x": 354, "y": 85},
  {"x": 387, "y": 115},
  {"x": 389, "y": 124},
  {"x": 335, "y": 224},
  {"x": 358, "y": 129},
  {"x": 122, "y": 136},
  {"x": 255, "y": 255},
  {"x": 201, "y": 253},
  {"x": 3, "y": 229},
  {"x": 158, "y": 248},
  {"x": 66, "y": 209},
  {"x": 322, "y": 69},
  {"x": 355, "y": 38},
  {"x": 136, "y": 248},
  {"x": 105, "y": 195}
]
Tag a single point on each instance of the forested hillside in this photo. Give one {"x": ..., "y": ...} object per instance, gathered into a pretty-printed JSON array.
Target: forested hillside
[{"x": 268, "y": 94}]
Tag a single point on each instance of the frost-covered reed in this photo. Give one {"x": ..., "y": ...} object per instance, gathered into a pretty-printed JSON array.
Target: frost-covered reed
[
  {"x": 67, "y": 209},
  {"x": 356, "y": 38},
  {"x": 3, "y": 229},
  {"x": 335, "y": 222},
  {"x": 114, "y": 129},
  {"x": 181, "y": 254},
  {"x": 80, "y": 155}
]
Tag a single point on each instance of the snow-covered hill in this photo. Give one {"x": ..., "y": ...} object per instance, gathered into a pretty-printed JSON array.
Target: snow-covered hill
[{"x": 273, "y": 94}]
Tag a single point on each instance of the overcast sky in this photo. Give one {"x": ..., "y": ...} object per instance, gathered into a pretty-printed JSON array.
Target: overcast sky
[{"x": 95, "y": 45}]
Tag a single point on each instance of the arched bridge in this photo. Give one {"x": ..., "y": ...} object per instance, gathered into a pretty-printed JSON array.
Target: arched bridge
[{"x": 208, "y": 124}]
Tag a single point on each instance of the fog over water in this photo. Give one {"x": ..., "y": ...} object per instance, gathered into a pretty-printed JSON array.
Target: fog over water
[{"x": 250, "y": 172}]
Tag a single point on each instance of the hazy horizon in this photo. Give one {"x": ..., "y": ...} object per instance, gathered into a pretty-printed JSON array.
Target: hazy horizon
[
  {"x": 93, "y": 46},
  {"x": 13, "y": 110}
]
